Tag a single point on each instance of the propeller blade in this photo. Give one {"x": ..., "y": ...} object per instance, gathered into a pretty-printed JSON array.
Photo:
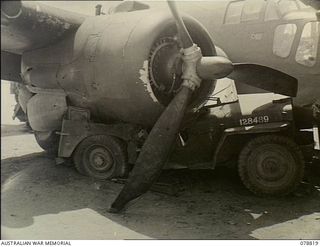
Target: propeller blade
[
  {"x": 265, "y": 78},
  {"x": 155, "y": 151},
  {"x": 185, "y": 37}
]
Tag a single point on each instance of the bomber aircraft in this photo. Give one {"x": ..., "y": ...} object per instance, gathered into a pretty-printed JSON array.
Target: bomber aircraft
[
  {"x": 280, "y": 34},
  {"x": 93, "y": 86}
]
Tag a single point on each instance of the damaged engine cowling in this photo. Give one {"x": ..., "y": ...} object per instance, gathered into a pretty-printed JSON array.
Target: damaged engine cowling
[{"x": 126, "y": 66}]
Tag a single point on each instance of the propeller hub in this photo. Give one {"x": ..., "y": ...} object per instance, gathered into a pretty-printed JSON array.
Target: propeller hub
[{"x": 190, "y": 58}]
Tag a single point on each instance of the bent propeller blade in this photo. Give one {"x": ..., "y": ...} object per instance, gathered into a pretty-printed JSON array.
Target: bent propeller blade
[
  {"x": 155, "y": 151},
  {"x": 265, "y": 78}
]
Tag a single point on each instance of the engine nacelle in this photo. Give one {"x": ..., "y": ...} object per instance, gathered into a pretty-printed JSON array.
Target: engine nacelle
[{"x": 123, "y": 67}]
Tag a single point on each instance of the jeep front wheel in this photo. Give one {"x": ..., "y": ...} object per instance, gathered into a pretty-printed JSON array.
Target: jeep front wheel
[{"x": 271, "y": 165}]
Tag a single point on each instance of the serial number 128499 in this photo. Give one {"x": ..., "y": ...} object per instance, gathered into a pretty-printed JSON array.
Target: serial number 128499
[{"x": 254, "y": 120}]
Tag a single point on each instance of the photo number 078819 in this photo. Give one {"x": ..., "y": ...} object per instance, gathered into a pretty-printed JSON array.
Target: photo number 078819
[{"x": 309, "y": 242}]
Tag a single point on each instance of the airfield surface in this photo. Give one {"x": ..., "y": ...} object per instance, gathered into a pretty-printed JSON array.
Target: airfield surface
[{"x": 42, "y": 200}]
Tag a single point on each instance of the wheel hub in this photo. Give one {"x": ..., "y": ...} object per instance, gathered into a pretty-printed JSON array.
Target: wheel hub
[
  {"x": 100, "y": 159},
  {"x": 272, "y": 165},
  {"x": 272, "y": 169}
]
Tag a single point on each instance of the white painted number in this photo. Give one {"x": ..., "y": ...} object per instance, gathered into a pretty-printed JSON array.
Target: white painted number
[{"x": 254, "y": 120}]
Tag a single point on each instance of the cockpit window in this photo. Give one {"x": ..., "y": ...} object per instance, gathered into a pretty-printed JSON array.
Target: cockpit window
[
  {"x": 283, "y": 39},
  {"x": 252, "y": 10},
  {"x": 308, "y": 46},
  {"x": 234, "y": 11},
  {"x": 302, "y": 5},
  {"x": 278, "y": 8},
  {"x": 287, "y": 6},
  {"x": 128, "y": 6}
]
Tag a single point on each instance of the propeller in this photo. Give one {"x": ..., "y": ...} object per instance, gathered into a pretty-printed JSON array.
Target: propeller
[
  {"x": 195, "y": 68},
  {"x": 265, "y": 78},
  {"x": 160, "y": 140}
]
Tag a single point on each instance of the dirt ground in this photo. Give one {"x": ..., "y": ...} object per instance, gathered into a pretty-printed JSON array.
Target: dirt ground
[{"x": 42, "y": 200}]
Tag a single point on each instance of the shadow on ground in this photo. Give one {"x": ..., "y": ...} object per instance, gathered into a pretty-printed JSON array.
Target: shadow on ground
[{"x": 209, "y": 204}]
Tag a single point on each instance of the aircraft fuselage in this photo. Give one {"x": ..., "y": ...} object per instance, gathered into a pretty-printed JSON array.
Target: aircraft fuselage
[{"x": 288, "y": 42}]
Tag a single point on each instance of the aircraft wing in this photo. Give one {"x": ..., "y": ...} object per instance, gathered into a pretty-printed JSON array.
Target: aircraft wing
[{"x": 30, "y": 25}]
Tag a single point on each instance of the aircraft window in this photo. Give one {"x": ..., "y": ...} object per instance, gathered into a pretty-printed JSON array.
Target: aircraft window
[
  {"x": 308, "y": 46},
  {"x": 252, "y": 10},
  {"x": 287, "y": 6},
  {"x": 302, "y": 5},
  {"x": 128, "y": 6},
  {"x": 234, "y": 11},
  {"x": 283, "y": 39},
  {"x": 271, "y": 12}
]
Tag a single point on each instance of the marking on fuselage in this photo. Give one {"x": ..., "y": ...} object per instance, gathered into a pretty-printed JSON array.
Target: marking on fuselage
[
  {"x": 256, "y": 36},
  {"x": 144, "y": 77}
]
